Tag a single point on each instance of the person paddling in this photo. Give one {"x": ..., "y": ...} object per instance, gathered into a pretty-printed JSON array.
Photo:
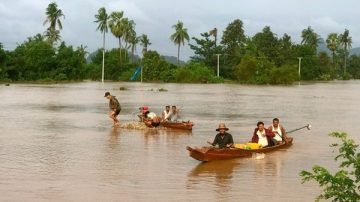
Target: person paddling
[
  {"x": 279, "y": 131},
  {"x": 223, "y": 139},
  {"x": 115, "y": 108}
]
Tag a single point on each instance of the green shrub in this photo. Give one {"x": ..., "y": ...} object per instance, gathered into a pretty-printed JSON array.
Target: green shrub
[
  {"x": 344, "y": 185},
  {"x": 283, "y": 75}
]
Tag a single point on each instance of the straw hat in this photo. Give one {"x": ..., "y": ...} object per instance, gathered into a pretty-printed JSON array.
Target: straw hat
[{"x": 222, "y": 126}]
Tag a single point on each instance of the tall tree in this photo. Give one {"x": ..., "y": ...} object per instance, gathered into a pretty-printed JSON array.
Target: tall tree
[
  {"x": 233, "y": 41},
  {"x": 345, "y": 42},
  {"x": 145, "y": 42},
  {"x": 53, "y": 15},
  {"x": 52, "y": 35},
  {"x": 115, "y": 25},
  {"x": 179, "y": 37},
  {"x": 128, "y": 29},
  {"x": 267, "y": 44},
  {"x": 133, "y": 40},
  {"x": 332, "y": 42},
  {"x": 205, "y": 50},
  {"x": 213, "y": 33},
  {"x": 310, "y": 38},
  {"x": 102, "y": 19}
]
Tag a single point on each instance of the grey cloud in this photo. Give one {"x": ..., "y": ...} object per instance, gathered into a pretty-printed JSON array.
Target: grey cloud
[{"x": 20, "y": 19}]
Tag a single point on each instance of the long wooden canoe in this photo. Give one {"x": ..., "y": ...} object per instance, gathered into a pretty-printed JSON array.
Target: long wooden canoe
[
  {"x": 184, "y": 125},
  {"x": 211, "y": 154},
  {"x": 178, "y": 125}
]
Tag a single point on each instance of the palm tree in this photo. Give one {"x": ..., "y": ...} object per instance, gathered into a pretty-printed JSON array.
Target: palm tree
[
  {"x": 81, "y": 50},
  {"x": 116, "y": 26},
  {"x": 53, "y": 15},
  {"x": 145, "y": 42},
  {"x": 128, "y": 27},
  {"x": 310, "y": 38},
  {"x": 345, "y": 41},
  {"x": 179, "y": 36},
  {"x": 52, "y": 35},
  {"x": 213, "y": 32},
  {"x": 102, "y": 18},
  {"x": 133, "y": 40},
  {"x": 332, "y": 43}
]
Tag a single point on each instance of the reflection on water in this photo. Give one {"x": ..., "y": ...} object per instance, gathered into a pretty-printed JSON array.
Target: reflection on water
[{"x": 58, "y": 144}]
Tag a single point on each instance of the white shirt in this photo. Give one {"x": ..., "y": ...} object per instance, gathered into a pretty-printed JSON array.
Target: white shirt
[
  {"x": 262, "y": 138},
  {"x": 167, "y": 114},
  {"x": 277, "y": 135}
]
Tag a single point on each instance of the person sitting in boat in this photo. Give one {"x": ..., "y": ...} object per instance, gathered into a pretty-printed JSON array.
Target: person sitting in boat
[
  {"x": 174, "y": 114},
  {"x": 166, "y": 113},
  {"x": 262, "y": 135},
  {"x": 149, "y": 118},
  {"x": 223, "y": 139},
  {"x": 279, "y": 132}
]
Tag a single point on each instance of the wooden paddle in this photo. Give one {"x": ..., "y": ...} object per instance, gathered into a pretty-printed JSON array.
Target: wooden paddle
[{"x": 308, "y": 126}]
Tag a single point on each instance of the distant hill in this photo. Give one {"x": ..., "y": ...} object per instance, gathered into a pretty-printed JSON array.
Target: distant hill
[
  {"x": 169, "y": 59},
  {"x": 172, "y": 59},
  {"x": 323, "y": 48},
  {"x": 355, "y": 51}
]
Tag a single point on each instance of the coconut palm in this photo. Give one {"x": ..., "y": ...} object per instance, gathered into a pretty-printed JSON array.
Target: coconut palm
[
  {"x": 133, "y": 40},
  {"x": 81, "y": 50},
  {"x": 102, "y": 18},
  {"x": 213, "y": 32},
  {"x": 52, "y": 35},
  {"x": 332, "y": 43},
  {"x": 345, "y": 42},
  {"x": 116, "y": 27},
  {"x": 145, "y": 42},
  {"x": 53, "y": 15},
  {"x": 128, "y": 27},
  {"x": 179, "y": 36},
  {"x": 310, "y": 38}
]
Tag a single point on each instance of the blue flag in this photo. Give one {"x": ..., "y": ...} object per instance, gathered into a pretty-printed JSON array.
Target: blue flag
[{"x": 137, "y": 71}]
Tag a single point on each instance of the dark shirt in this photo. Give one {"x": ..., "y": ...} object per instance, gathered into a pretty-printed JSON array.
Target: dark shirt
[
  {"x": 114, "y": 104},
  {"x": 222, "y": 141}
]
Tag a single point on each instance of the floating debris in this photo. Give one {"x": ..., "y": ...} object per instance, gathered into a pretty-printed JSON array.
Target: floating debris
[
  {"x": 162, "y": 90},
  {"x": 135, "y": 125},
  {"x": 7, "y": 84},
  {"x": 123, "y": 88}
]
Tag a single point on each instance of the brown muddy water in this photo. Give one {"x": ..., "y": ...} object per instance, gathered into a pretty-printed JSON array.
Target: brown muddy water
[{"x": 57, "y": 143}]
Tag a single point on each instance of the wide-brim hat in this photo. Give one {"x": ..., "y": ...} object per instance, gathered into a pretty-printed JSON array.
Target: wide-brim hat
[
  {"x": 106, "y": 94},
  {"x": 222, "y": 126}
]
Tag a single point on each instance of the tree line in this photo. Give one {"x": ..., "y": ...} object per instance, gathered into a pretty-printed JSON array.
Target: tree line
[{"x": 264, "y": 58}]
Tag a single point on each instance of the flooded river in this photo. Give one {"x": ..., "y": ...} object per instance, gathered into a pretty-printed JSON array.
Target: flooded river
[{"x": 57, "y": 143}]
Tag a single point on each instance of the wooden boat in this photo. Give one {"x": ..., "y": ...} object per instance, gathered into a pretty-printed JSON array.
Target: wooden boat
[
  {"x": 184, "y": 125},
  {"x": 211, "y": 154}
]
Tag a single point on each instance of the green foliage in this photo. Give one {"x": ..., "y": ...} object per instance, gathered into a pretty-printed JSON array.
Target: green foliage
[
  {"x": 195, "y": 73},
  {"x": 205, "y": 50},
  {"x": 267, "y": 44},
  {"x": 344, "y": 185},
  {"x": 354, "y": 66},
  {"x": 283, "y": 75},
  {"x": 154, "y": 66},
  {"x": 246, "y": 69},
  {"x": 233, "y": 41}
]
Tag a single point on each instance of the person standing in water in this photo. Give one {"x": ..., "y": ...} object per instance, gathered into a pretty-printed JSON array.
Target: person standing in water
[{"x": 115, "y": 108}]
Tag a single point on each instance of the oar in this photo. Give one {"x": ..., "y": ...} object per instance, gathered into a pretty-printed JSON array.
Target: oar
[{"x": 308, "y": 126}]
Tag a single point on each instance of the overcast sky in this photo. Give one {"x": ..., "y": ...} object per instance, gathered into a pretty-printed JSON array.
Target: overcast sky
[{"x": 20, "y": 19}]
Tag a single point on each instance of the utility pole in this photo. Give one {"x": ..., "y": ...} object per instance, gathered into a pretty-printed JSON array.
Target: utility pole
[
  {"x": 141, "y": 74},
  {"x": 218, "y": 55},
  {"x": 299, "y": 67}
]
